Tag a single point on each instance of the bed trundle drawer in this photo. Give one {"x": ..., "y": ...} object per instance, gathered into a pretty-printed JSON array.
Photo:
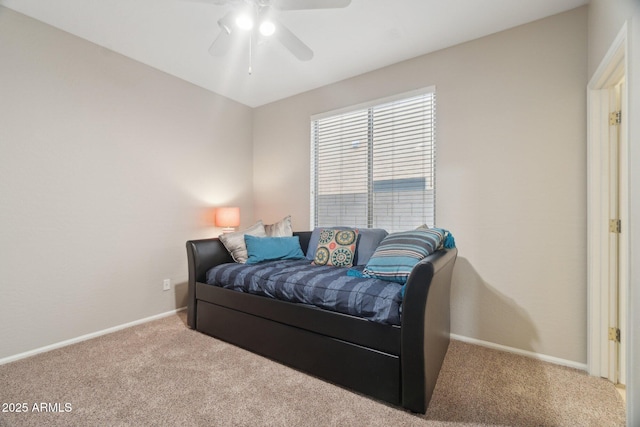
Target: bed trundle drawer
[
  {"x": 385, "y": 338},
  {"x": 362, "y": 369}
]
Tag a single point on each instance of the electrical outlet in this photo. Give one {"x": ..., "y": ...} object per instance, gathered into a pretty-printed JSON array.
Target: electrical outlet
[{"x": 166, "y": 284}]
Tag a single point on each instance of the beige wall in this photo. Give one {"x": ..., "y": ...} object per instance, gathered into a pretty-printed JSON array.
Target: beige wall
[
  {"x": 511, "y": 175},
  {"x": 606, "y": 19},
  {"x": 107, "y": 167}
]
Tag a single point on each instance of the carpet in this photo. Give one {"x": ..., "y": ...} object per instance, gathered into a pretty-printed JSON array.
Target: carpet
[{"x": 162, "y": 374}]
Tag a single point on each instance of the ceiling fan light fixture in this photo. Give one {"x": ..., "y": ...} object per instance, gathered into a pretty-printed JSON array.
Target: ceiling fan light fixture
[
  {"x": 244, "y": 22},
  {"x": 267, "y": 28},
  {"x": 248, "y": 14},
  {"x": 226, "y": 23},
  {"x": 225, "y": 27}
]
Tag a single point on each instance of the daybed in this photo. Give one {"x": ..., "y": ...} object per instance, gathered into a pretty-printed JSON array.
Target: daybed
[{"x": 398, "y": 364}]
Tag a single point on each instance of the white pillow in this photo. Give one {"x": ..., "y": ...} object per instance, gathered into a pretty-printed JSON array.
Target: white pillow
[{"x": 234, "y": 242}]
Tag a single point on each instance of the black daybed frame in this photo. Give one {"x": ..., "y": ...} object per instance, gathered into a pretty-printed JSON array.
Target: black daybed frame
[{"x": 397, "y": 364}]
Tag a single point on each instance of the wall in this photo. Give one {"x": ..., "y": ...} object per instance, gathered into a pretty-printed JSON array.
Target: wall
[
  {"x": 606, "y": 19},
  {"x": 511, "y": 175},
  {"x": 107, "y": 167}
]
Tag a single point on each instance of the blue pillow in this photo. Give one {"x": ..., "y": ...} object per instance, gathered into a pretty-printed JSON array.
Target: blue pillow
[
  {"x": 261, "y": 249},
  {"x": 368, "y": 242},
  {"x": 399, "y": 252}
]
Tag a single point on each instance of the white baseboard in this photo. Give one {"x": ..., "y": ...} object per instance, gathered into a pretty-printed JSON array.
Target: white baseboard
[
  {"x": 531, "y": 354},
  {"x": 87, "y": 337},
  {"x": 543, "y": 357}
]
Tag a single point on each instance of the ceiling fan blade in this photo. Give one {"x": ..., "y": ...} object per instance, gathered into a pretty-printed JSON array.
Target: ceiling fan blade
[
  {"x": 221, "y": 44},
  {"x": 310, "y": 4},
  {"x": 292, "y": 42},
  {"x": 213, "y": 2}
]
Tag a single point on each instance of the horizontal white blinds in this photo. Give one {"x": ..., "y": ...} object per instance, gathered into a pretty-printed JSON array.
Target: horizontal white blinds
[{"x": 374, "y": 167}]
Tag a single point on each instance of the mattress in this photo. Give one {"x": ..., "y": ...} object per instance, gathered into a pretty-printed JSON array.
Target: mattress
[{"x": 326, "y": 287}]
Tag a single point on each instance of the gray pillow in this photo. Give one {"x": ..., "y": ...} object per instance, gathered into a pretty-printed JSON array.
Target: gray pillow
[{"x": 234, "y": 242}]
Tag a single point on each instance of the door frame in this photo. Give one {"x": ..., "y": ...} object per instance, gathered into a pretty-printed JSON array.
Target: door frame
[{"x": 611, "y": 71}]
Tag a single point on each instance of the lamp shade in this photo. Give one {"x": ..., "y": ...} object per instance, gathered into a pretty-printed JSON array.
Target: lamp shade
[{"x": 228, "y": 217}]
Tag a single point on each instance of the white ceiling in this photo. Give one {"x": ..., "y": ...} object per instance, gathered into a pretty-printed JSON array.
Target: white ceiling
[{"x": 174, "y": 36}]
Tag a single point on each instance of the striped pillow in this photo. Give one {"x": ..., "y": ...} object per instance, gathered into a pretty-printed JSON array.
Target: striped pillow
[
  {"x": 235, "y": 244},
  {"x": 281, "y": 228},
  {"x": 398, "y": 253}
]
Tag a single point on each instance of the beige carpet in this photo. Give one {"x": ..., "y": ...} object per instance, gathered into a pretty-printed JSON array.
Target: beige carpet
[{"x": 162, "y": 373}]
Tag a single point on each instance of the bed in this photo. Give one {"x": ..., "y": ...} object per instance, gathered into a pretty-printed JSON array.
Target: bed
[{"x": 396, "y": 363}]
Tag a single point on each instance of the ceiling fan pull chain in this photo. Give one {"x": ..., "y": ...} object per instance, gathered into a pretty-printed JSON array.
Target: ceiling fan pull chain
[{"x": 250, "y": 54}]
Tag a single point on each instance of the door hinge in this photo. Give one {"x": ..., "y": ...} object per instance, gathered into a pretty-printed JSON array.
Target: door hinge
[
  {"x": 615, "y": 118},
  {"x": 614, "y": 334},
  {"x": 615, "y": 226}
]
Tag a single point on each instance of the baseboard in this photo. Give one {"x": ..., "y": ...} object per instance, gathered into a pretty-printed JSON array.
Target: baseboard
[
  {"x": 543, "y": 357},
  {"x": 531, "y": 354},
  {"x": 87, "y": 336}
]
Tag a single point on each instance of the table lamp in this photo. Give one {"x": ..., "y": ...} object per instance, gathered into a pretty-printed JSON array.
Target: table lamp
[{"x": 227, "y": 218}]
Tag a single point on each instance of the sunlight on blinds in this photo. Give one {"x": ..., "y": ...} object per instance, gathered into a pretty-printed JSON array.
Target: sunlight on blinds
[{"x": 375, "y": 166}]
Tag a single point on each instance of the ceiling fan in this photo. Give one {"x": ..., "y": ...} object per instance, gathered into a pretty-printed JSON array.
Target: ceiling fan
[{"x": 246, "y": 15}]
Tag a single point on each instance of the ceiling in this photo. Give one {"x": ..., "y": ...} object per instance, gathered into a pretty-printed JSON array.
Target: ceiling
[{"x": 174, "y": 36}]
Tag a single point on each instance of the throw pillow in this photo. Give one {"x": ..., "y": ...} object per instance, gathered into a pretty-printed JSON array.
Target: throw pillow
[
  {"x": 368, "y": 241},
  {"x": 234, "y": 242},
  {"x": 399, "y": 252},
  {"x": 261, "y": 249},
  {"x": 336, "y": 247},
  {"x": 281, "y": 228}
]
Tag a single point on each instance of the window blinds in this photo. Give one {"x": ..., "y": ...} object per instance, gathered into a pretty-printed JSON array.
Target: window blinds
[{"x": 374, "y": 166}]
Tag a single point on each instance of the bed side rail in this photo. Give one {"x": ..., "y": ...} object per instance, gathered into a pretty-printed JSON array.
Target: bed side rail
[
  {"x": 202, "y": 255},
  {"x": 425, "y": 327}
]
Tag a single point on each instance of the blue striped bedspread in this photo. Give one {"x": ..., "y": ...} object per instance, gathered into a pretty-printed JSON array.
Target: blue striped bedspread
[{"x": 326, "y": 287}]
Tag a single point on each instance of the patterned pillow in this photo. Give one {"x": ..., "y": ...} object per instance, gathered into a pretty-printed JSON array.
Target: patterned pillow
[
  {"x": 399, "y": 252},
  {"x": 368, "y": 241},
  {"x": 235, "y": 244},
  {"x": 281, "y": 228},
  {"x": 336, "y": 247}
]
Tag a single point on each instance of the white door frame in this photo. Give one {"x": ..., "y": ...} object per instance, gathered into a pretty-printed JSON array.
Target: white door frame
[{"x": 612, "y": 70}]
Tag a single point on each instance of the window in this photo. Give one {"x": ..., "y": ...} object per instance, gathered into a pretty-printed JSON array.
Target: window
[{"x": 373, "y": 166}]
